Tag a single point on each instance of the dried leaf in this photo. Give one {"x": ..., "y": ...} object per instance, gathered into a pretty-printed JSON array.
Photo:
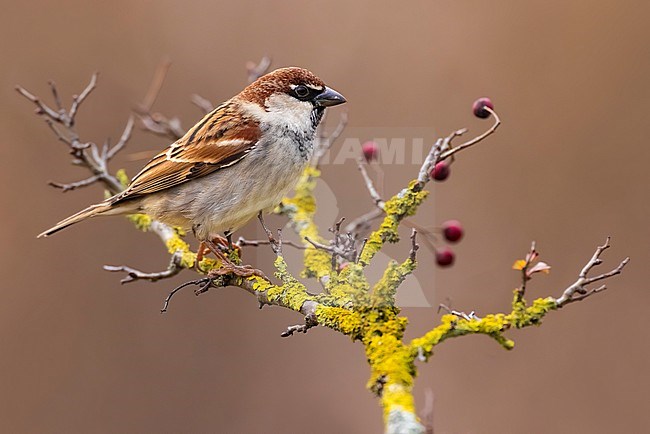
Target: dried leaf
[
  {"x": 539, "y": 267},
  {"x": 519, "y": 264}
]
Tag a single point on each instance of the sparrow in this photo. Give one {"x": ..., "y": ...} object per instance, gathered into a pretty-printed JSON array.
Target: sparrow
[{"x": 236, "y": 163}]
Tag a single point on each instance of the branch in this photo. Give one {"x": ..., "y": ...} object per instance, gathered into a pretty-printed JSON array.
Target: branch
[
  {"x": 578, "y": 291},
  {"x": 242, "y": 242},
  {"x": 84, "y": 154},
  {"x": 205, "y": 105},
  {"x": 310, "y": 321},
  {"x": 157, "y": 123},
  {"x": 379, "y": 202},
  {"x": 73, "y": 185},
  {"x": 132, "y": 274},
  {"x": 123, "y": 139},
  {"x": 522, "y": 315},
  {"x": 325, "y": 142},
  {"x": 256, "y": 70},
  {"x": 474, "y": 141}
]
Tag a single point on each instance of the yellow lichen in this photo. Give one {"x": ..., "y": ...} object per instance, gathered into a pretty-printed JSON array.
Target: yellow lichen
[
  {"x": 141, "y": 221},
  {"x": 384, "y": 291},
  {"x": 404, "y": 204},
  {"x": 292, "y": 293},
  {"x": 301, "y": 209},
  {"x": 343, "y": 320},
  {"x": 188, "y": 258},
  {"x": 122, "y": 177}
]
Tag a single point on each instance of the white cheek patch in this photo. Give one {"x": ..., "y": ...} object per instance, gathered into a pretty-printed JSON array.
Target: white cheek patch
[{"x": 282, "y": 109}]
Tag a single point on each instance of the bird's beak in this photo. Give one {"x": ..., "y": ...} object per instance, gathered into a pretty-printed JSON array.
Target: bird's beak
[{"x": 328, "y": 98}]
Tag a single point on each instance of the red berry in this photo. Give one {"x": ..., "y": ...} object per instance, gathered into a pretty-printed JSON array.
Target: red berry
[
  {"x": 441, "y": 171},
  {"x": 370, "y": 151},
  {"x": 445, "y": 257},
  {"x": 452, "y": 230},
  {"x": 478, "y": 108}
]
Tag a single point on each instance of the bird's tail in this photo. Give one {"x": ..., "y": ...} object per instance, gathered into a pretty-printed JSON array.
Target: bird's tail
[{"x": 101, "y": 208}]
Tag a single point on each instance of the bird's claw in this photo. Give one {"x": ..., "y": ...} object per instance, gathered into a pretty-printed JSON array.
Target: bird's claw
[{"x": 237, "y": 270}]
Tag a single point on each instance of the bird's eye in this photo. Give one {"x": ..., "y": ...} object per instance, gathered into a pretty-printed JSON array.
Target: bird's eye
[{"x": 301, "y": 91}]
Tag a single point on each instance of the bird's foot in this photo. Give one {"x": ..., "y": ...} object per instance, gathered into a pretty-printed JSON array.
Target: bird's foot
[
  {"x": 227, "y": 264},
  {"x": 217, "y": 243},
  {"x": 238, "y": 270}
]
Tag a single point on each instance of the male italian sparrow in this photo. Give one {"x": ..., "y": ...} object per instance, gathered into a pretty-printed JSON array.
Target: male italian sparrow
[{"x": 241, "y": 159}]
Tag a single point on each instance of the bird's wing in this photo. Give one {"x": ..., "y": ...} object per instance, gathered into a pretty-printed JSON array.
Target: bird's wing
[{"x": 221, "y": 139}]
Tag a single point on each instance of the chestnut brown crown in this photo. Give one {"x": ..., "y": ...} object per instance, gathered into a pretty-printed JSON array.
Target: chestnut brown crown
[{"x": 297, "y": 82}]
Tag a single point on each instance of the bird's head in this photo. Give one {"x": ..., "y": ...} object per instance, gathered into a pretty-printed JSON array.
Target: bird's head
[{"x": 293, "y": 94}]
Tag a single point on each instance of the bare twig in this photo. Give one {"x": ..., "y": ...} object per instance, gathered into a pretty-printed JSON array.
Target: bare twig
[
  {"x": 78, "y": 100},
  {"x": 256, "y": 70},
  {"x": 74, "y": 185},
  {"x": 310, "y": 321},
  {"x": 157, "y": 123},
  {"x": 156, "y": 84},
  {"x": 346, "y": 254},
  {"x": 123, "y": 139},
  {"x": 363, "y": 223},
  {"x": 414, "y": 245},
  {"x": 363, "y": 246},
  {"x": 276, "y": 244},
  {"x": 84, "y": 154},
  {"x": 55, "y": 95},
  {"x": 361, "y": 164},
  {"x": 204, "y": 104},
  {"x": 425, "y": 234},
  {"x": 578, "y": 291},
  {"x": 475, "y": 140},
  {"x": 336, "y": 230},
  {"x": 325, "y": 142},
  {"x": 429, "y": 162},
  {"x": 466, "y": 316},
  {"x": 242, "y": 242},
  {"x": 132, "y": 274},
  {"x": 203, "y": 285}
]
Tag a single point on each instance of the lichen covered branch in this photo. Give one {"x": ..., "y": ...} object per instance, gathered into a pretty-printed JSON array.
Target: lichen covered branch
[{"x": 349, "y": 303}]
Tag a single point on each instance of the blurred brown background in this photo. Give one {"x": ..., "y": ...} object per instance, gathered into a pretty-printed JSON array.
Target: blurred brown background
[{"x": 80, "y": 353}]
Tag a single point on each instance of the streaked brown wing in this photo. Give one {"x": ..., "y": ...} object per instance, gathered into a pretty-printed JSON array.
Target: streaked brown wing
[{"x": 222, "y": 138}]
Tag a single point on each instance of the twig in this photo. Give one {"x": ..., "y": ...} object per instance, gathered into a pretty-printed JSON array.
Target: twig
[
  {"x": 126, "y": 134},
  {"x": 431, "y": 159},
  {"x": 156, "y": 122},
  {"x": 256, "y": 70},
  {"x": 466, "y": 316},
  {"x": 493, "y": 128},
  {"x": 349, "y": 255},
  {"x": 435, "y": 155},
  {"x": 325, "y": 142},
  {"x": 578, "y": 291},
  {"x": 203, "y": 284},
  {"x": 78, "y": 100},
  {"x": 242, "y": 242},
  {"x": 425, "y": 234},
  {"x": 132, "y": 274},
  {"x": 276, "y": 245},
  {"x": 204, "y": 104},
  {"x": 363, "y": 246},
  {"x": 363, "y": 223},
  {"x": 369, "y": 184},
  {"x": 156, "y": 84},
  {"x": 74, "y": 185},
  {"x": 55, "y": 95},
  {"x": 414, "y": 245},
  {"x": 310, "y": 321},
  {"x": 336, "y": 230},
  {"x": 85, "y": 154}
]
